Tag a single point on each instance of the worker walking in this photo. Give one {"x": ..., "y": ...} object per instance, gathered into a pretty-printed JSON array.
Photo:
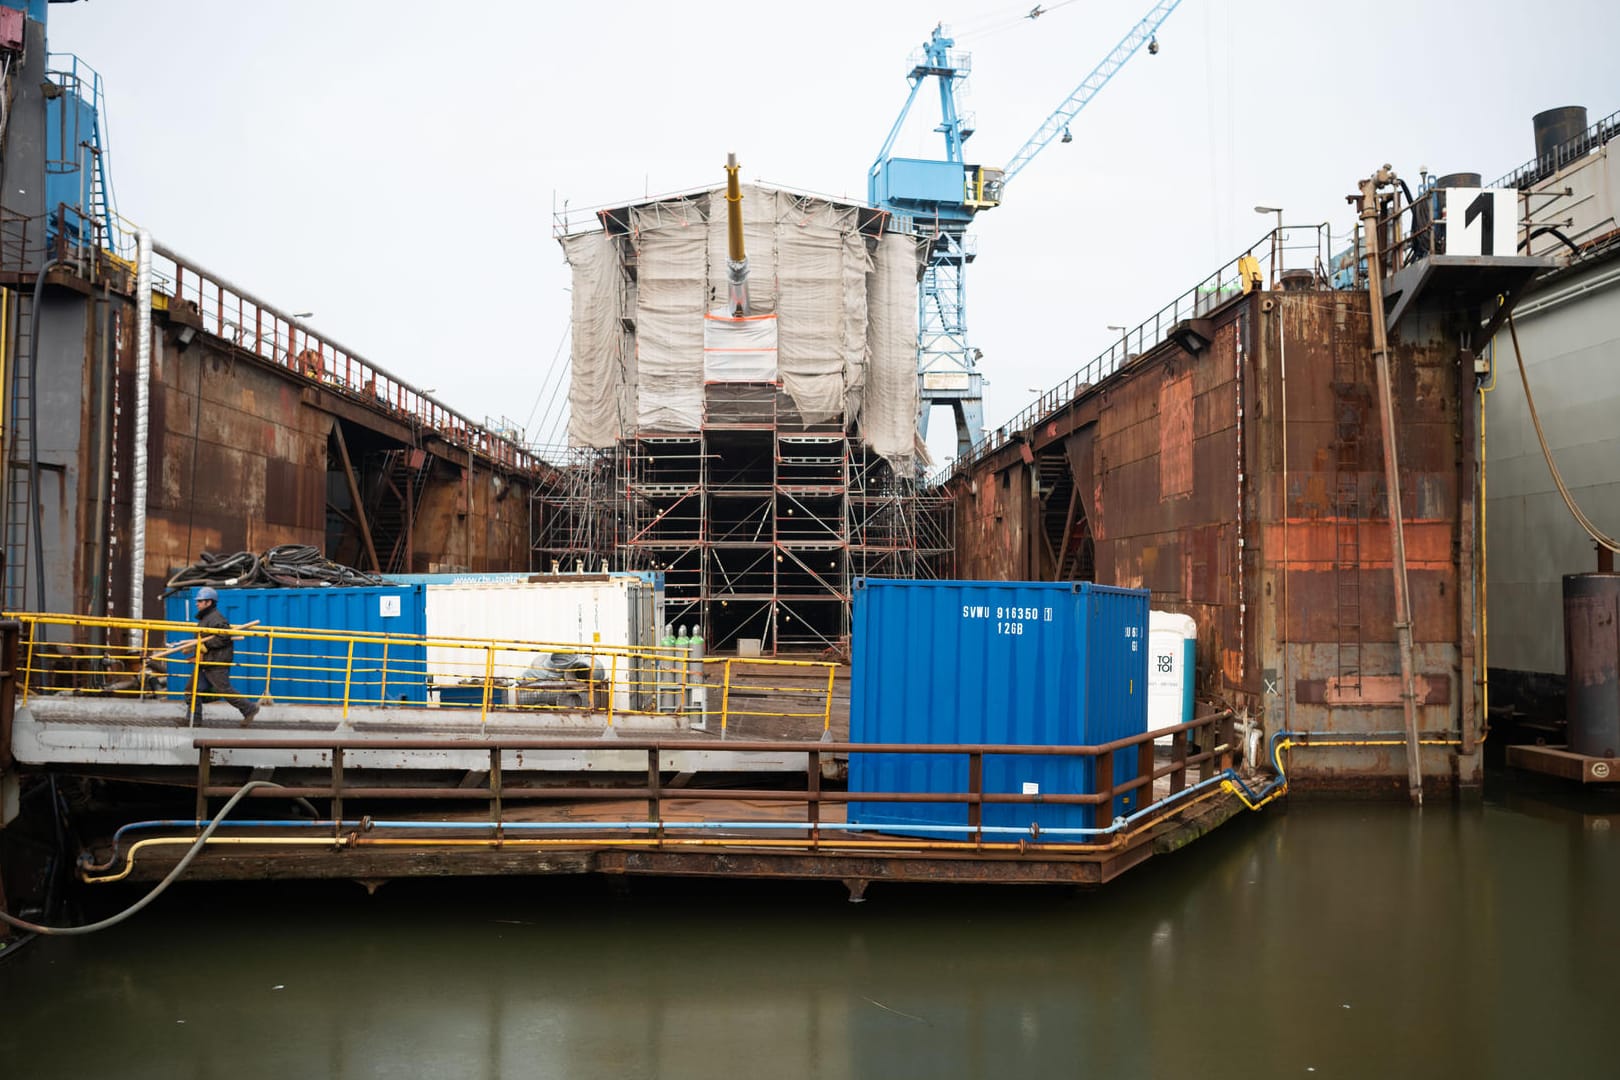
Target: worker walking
[{"x": 213, "y": 680}]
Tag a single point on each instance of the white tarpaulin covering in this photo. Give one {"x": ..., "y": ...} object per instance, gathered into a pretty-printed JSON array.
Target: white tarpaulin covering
[
  {"x": 599, "y": 391},
  {"x": 672, "y": 273},
  {"x": 888, "y": 411},
  {"x": 823, "y": 321},
  {"x": 739, "y": 350},
  {"x": 845, "y": 326}
]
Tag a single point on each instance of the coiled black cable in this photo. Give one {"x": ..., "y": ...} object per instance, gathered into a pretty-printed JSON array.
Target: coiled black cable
[{"x": 287, "y": 565}]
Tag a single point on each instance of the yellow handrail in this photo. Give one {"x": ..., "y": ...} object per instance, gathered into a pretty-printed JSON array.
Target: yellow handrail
[
  {"x": 191, "y": 693},
  {"x": 348, "y": 679},
  {"x": 300, "y": 666},
  {"x": 725, "y": 700},
  {"x": 489, "y": 676},
  {"x": 826, "y": 716}
]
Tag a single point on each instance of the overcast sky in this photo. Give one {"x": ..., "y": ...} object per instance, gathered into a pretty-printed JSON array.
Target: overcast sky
[{"x": 393, "y": 167}]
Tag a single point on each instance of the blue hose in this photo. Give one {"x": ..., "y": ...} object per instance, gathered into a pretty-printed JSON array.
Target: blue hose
[{"x": 670, "y": 826}]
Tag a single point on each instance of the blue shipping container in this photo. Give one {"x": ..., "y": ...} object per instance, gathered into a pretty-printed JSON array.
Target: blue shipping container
[
  {"x": 1000, "y": 662},
  {"x": 392, "y": 672}
]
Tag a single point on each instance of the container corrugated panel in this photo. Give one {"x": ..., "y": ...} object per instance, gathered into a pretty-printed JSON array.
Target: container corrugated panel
[
  {"x": 508, "y": 577},
  {"x": 392, "y": 672},
  {"x": 469, "y": 578},
  {"x": 1017, "y": 663},
  {"x": 571, "y": 615}
]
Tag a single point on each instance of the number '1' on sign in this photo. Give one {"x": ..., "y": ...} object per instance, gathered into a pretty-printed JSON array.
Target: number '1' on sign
[{"x": 1481, "y": 221}]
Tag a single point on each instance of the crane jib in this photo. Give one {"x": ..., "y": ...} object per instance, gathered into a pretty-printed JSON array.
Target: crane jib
[
  {"x": 1139, "y": 35},
  {"x": 939, "y": 197}
]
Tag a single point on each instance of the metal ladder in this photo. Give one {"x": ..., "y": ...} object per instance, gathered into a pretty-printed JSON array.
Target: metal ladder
[
  {"x": 1347, "y": 514},
  {"x": 100, "y": 209},
  {"x": 19, "y": 500}
]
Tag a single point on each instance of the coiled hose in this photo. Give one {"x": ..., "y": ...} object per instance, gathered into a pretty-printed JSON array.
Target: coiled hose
[
  {"x": 173, "y": 875},
  {"x": 290, "y": 565}
]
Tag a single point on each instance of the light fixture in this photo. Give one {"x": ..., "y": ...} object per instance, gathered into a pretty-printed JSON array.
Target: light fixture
[
  {"x": 1276, "y": 238},
  {"x": 1193, "y": 335},
  {"x": 303, "y": 315},
  {"x": 185, "y": 334}
]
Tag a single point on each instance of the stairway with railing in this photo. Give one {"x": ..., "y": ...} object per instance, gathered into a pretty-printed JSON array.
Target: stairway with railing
[
  {"x": 401, "y": 476},
  {"x": 82, "y": 209}
]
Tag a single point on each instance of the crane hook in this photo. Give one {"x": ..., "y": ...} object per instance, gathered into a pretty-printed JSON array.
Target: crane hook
[{"x": 1153, "y": 45}]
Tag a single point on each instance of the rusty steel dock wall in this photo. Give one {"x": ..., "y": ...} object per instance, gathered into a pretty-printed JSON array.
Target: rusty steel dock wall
[
  {"x": 241, "y": 461},
  {"x": 237, "y": 462},
  {"x": 241, "y": 457},
  {"x": 1243, "y": 484}
]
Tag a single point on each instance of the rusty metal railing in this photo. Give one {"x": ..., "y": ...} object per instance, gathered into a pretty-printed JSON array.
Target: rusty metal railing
[
  {"x": 1210, "y": 763},
  {"x": 1543, "y": 166},
  {"x": 234, "y": 315},
  {"x": 1303, "y": 247}
]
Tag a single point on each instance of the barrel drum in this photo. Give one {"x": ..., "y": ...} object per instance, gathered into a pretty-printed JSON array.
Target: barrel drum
[{"x": 1592, "y": 662}]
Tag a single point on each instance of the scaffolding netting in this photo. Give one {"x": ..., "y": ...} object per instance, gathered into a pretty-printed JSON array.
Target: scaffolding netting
[
  {"x": 672, "y": 295},
  {"x": 599, "y": 389},
  {"x": 844, "y": 301},
  {"x": 888, "y": 411}
]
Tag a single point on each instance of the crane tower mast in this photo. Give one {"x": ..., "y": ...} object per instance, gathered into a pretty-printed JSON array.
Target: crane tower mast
[{"x": 939, "y": 197}]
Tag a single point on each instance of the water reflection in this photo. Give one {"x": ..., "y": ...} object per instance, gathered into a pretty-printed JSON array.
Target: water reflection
[{"x": 1349, "y": 939}]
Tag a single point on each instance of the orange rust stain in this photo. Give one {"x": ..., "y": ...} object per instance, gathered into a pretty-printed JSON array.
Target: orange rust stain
[
  {"x": 1313, "y": 543},
  {"x": 1176, "y": 437}
]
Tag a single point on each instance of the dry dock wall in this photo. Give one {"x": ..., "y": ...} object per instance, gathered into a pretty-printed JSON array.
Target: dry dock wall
[
  {"x": 1243, "y": 484},
  {"x": 1571, "y": 340},
  {"x": 242, "y": 456}
]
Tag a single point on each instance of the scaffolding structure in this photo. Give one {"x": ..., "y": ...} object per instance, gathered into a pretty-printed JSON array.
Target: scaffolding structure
[
  {"x": 761, "y": 522},
  {"x": 578, "y": 521},
  {"x": 760, "y": 498}
]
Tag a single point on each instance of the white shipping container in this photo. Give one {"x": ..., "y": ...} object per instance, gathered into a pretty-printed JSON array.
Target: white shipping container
[{"x": 565, "y": 615}]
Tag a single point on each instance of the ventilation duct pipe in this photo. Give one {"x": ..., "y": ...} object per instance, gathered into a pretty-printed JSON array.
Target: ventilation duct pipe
[{"x": 143, "y": 405}]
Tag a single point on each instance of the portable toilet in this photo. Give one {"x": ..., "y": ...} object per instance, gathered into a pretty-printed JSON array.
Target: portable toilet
[{"x": 1172, "y": 648}]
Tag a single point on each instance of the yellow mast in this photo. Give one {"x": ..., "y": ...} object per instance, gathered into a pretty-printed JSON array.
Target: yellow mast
[{"x": 737, "y": 259}]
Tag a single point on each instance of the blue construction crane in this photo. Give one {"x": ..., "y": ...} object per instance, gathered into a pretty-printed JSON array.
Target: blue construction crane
[{"x": 939, "y": 198}]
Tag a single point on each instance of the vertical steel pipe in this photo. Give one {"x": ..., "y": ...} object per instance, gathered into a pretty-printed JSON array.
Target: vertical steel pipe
[
  {"x": 103, "y": 467},
  {"x": 1392, "y": 476},
  {"x": 1467, "y": 557}
]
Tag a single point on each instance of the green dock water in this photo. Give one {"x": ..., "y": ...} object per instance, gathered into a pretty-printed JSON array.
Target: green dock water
[{"x": 1314, "y": 940}]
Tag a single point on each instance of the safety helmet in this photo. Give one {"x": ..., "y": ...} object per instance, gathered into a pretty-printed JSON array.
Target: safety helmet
[{"x": 207, "y": 592}]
